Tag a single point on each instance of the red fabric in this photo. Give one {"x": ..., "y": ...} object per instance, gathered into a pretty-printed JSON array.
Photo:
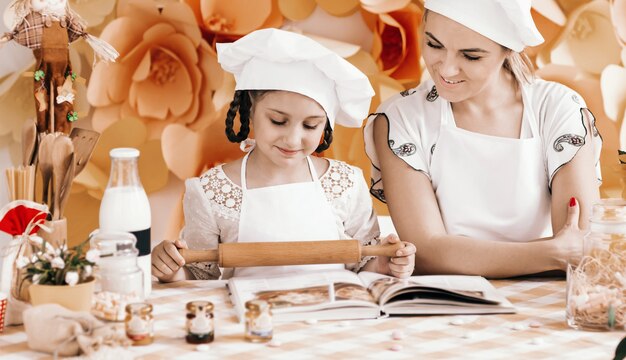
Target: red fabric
[{"x": 16, "y": 215}]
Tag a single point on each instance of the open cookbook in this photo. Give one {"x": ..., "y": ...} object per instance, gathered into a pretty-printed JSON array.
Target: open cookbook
[{"x": 343, "y": 295}]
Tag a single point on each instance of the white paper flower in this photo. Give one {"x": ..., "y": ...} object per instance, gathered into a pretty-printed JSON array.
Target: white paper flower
[
  {"x": 92, "y": 255},
  {"x": 36, "y": 278},
  {"x": 87, "y": 270},
  {"x": 71, "y": 278},
  {"x": 57, "y": 263}
]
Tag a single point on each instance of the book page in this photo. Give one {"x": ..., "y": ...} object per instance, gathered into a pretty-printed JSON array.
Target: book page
[
  {"x": 446, "y": 290},
  {"x": 302, "y": 292}
]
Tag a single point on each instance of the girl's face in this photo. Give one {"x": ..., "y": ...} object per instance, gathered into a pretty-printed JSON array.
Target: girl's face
[
  {"x": 287, "y": 126},
  {"x": 56, "y": 7},
  {"x": 460, "y": 61}
]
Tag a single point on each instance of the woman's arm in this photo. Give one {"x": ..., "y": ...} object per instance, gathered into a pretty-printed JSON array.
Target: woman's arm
[{"x": 416, "y": 216}]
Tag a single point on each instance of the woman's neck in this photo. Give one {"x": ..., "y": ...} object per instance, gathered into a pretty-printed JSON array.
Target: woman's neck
[{"x": 503, "y": 92}]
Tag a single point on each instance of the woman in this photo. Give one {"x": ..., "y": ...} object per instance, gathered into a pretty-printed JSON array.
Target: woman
[{"x": 485, "y": 169}]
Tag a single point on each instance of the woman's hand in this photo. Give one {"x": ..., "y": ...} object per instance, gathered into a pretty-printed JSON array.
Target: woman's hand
[
  {"x": 401, "y": 265},
  {"x": 167, "y": 261},
  {"x": 568, "y": 242}
]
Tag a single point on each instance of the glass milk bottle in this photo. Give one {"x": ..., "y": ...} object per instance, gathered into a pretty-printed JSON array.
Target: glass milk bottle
[
  {"x": 596, "y": 287},
  {"x": 125, "y": 207}
]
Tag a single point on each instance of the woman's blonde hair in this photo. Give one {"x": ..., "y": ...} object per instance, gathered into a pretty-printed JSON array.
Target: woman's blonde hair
[{"x": 520, "y": 66}]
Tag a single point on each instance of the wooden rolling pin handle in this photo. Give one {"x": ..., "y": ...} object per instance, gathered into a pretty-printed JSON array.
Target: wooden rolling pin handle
[
  {"x": 194, "y": 256},
  {"x": 388, "y": 250}
]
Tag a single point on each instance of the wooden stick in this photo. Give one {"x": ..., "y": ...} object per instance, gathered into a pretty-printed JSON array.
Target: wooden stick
[{"x": 289, "y": 253}]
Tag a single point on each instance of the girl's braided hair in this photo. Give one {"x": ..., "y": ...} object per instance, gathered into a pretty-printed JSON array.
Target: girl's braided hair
[{"x": 242, "y": 103}]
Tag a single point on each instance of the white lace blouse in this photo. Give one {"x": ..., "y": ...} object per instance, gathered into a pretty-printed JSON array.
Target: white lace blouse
[{"x": 212, "y": 204}]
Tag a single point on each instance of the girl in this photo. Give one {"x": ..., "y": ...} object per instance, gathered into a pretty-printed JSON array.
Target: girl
[
  {"x": 292, "y": 91},
  {"x": 485, "y": 158}
]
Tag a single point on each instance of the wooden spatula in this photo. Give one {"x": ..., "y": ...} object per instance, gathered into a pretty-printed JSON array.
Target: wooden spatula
[
  {"x": 46, "y": 143},
  {"x": 29, "y": 142},
  {"x": 64, "y": 191},
  {"x": 84, "y": 142},
  {"x": 62, "y": 152}
]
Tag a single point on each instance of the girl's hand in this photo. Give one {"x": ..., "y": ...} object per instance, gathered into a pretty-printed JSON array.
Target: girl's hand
[
  {"x": 167, "y": 261},
  {"x": 568, "y": 242},
  {"x": 401, "y": 265}
]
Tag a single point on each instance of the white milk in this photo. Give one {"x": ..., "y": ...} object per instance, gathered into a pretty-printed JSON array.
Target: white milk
[{"x": 127, "y": 209}]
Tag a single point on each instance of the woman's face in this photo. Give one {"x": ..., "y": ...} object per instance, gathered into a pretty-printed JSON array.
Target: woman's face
[
  {"x": 460, "y": 61},
  {"x": 287, "y": 126}
]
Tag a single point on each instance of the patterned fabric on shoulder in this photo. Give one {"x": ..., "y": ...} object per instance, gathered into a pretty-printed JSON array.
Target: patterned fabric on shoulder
[
  {"x": 223, "y": 195},
  {"x": 337, "y": 180}
]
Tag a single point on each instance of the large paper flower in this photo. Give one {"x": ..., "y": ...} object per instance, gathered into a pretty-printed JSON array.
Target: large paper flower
[
  {"x": 165, "y": 74},
  {"x": 302, "y": 9},
  {"x": 396, "y": 45},
  {"x": 226, "y": 21}
]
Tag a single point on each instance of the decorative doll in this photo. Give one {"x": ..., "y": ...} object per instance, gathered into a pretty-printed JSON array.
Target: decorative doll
[{"x": 48, "y": 27}]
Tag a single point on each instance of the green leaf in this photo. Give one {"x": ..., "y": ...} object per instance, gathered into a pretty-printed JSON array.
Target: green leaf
[{"x": 620, "y": 352}]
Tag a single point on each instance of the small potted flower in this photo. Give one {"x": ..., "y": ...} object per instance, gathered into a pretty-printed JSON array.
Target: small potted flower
[
  {"x": 59, "y": 275},
  {"x": 51, "y": 274}
]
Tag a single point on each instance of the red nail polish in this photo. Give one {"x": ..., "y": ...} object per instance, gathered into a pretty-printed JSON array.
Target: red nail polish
[{"x": 572, "y": 202}]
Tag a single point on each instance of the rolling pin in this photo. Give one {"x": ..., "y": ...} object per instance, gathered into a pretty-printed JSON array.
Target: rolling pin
[{"x": 289, "y": 253}]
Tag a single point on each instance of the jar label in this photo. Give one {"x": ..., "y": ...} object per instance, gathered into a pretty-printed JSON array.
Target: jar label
[{"x": 200, "y": 325}]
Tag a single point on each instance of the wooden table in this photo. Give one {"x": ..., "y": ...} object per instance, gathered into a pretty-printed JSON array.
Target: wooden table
[{"x": 539, "y": 302}]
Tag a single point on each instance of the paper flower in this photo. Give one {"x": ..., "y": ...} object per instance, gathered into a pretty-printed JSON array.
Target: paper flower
[
  {"x": 396, "y": 45},
  {"x": 618, "y": 17},
  {"x": 165, "y": 74},
  {"x": 225, "y": 21},
  {"x": 588, "y": 40},
  {"x": 302, "y": 9}
]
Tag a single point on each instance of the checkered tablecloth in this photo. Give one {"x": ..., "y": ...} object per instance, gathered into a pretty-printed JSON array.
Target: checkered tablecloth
[{"x": 540, "y": 302}]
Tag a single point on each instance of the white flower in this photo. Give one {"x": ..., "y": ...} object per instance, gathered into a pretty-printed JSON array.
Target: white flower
[
  {"x": 57, "y": 263},
  {"x": 36, "y": 278},
  {"x": 87, "y": 270},
  {"x": 71, "y": 278},
  {"x": 21, "y": 262},
  {"x": 92, "y": 255}
]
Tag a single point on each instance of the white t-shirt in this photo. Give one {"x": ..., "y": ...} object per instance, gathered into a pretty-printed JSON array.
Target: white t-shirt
[{"x": 415, "y": 117}]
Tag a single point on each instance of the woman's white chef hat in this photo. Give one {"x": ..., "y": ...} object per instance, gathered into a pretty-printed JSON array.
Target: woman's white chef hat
[
  {"x": 507, "y": 22},
  {"x": 272, "y": 59}
]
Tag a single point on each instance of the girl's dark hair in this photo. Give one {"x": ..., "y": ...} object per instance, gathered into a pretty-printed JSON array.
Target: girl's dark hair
[
  {"x": 328, "y": 138},
  {"x": 242, "y": 103}
]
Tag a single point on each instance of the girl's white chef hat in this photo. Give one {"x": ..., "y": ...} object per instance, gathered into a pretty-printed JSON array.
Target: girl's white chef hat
[
  {"x": 273, "y": 59},
  {"x": 507, "y": 22}
]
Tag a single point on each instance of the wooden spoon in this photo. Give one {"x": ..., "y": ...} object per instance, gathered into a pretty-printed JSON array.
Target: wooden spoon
[
  {"x": 46, "y": 143},
  {"x": 62, "y": 152},
  {"x": 64, "y": 192},
  {"x": 29, "y": 142}
]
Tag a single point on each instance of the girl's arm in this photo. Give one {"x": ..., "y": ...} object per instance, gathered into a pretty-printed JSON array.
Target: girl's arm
[{"x": 415, "y": 213}]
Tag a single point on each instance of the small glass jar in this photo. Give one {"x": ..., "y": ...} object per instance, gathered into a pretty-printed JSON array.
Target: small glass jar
[
  {"x": 140, "y": 323},
  {"x": 259, "y": 326},
  {"x": 596, "y": 287},
  {"x": 200, "y": 326},
  {"x": 119, "y": 280}
]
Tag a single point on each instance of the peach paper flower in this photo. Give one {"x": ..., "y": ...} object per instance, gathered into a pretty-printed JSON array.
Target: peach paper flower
[
  {"x": 165, "y": 74},
  {"x": 396, "y": 45}
]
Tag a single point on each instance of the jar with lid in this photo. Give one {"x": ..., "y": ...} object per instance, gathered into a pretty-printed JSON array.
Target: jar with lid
[
  {"x": 119, "y": 280},
  {"x": 200, "y": 325},
  {"x": 596, "y": 287},
  {"x": 258, "y": 321},
  {"x": 125, "y": 207},
  {"x": 139, "y": 323}
]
